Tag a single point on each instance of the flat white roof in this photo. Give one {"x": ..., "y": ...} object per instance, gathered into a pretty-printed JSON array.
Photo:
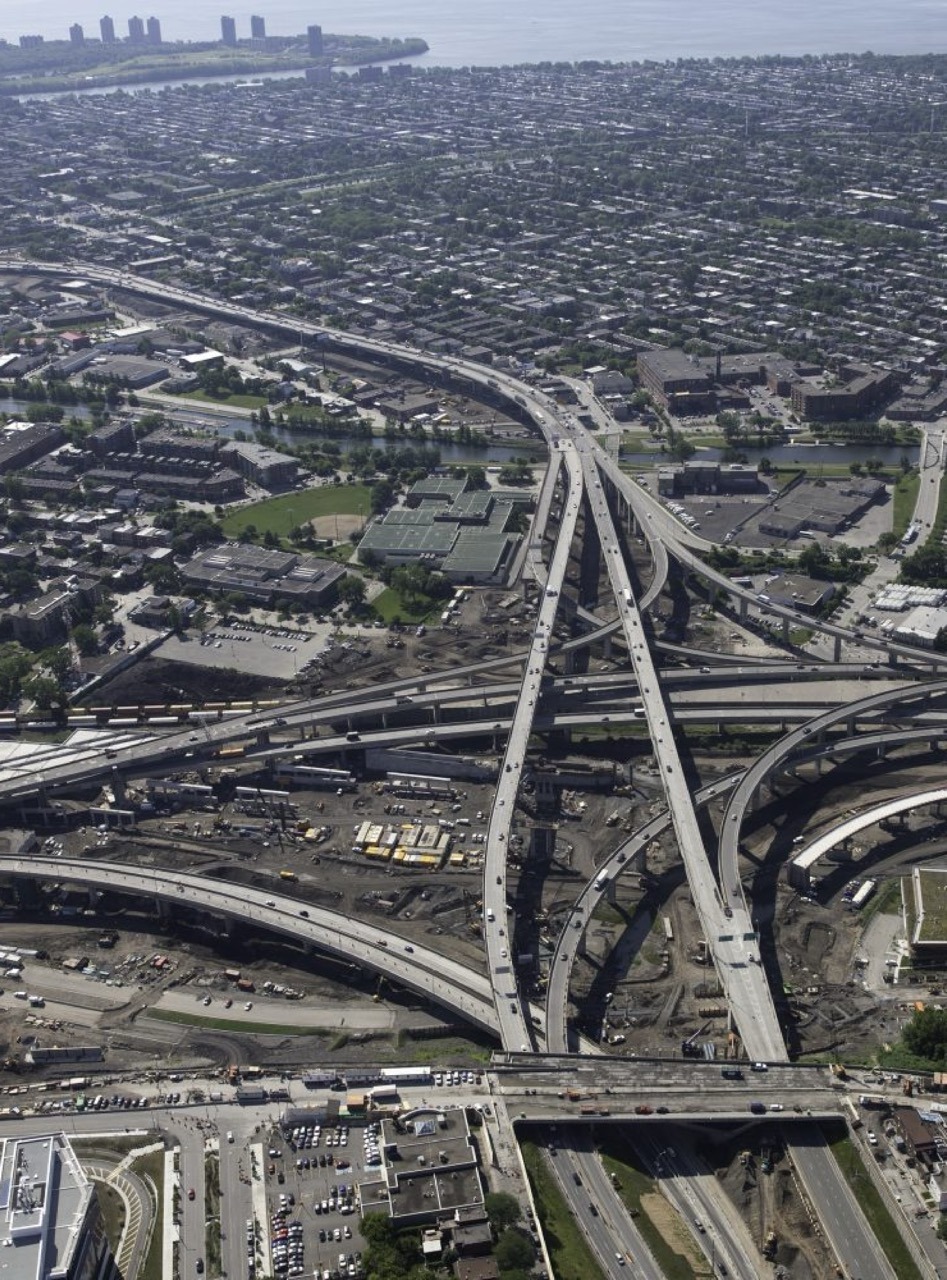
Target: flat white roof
[{"x": 44, "y": 1198}]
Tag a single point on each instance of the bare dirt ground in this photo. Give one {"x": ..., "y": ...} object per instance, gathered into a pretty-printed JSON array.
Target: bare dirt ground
[
  {"x": 336, "y": 526},
  {"x": 772, "y": 1202}
]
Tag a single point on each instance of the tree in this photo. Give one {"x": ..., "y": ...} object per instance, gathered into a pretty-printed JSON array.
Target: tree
[
  {"x": 85, "y": 640},
  {"x": 814, "y": 560},
  {"x": 45, "y": 692},
  {"x": 514, "y": 1250},
  {"x": 377, "y": 1229},
  {"x": 351, "y": 590},
  {"x": 59, "y": 662},
  {"x": 502, "y": 1210},
  {"x": 926, "y": 1034},
  {"x": 382, "y": 496}
]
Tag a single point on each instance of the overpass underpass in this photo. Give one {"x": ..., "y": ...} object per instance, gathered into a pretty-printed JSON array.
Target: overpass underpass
[
  {"x": 799, "y": 744},
  {"x": 856, "y": 1253},
  {"x": 513, "y": 1021},
  {"x": 430, "y": 974},
  {"x": 644, "y": 506}
]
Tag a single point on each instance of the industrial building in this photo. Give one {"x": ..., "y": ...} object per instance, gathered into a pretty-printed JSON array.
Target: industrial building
[
  {"x": 708, "y": 477},
  {"x": 265, "y": 576},
  {"x": 52, "y": 1223},
  {"x": 470, "y": 535},
  {"x": 922, "y": 626},
  {"x": 826, "y": 506},
  {"x": 430, "y": 1170}
]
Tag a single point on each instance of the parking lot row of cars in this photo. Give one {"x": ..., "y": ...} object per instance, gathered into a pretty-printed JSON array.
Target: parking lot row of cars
[{"x": 286, "y": 1241}]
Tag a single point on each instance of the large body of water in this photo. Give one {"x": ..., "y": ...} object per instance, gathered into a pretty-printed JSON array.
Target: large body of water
[{"x": 501, "y": 32}]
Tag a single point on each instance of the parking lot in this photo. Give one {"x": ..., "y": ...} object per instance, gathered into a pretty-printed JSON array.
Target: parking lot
[
  {"x": 312, "y": 1198},
  {"x": 278, "y": 652}
]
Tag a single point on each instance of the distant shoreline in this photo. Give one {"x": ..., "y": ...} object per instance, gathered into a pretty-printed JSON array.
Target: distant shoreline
[{"x": 190, "y": 61}]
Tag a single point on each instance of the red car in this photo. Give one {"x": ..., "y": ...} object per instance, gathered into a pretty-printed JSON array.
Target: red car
[{"x": 190, "y": 1194}]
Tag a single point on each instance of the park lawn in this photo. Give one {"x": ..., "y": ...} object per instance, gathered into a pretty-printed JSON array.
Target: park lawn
[
  {"x": 390, "y": 605},
  {"x": 279, "y": 515}
]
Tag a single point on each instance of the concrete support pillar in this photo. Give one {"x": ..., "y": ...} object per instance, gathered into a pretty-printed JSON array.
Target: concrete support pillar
[
  {"x": 568, "y": 662},
  {"x": 607, "y": 648},
  {"x": 545, "y": 790},
  {"x": 786, "y": 630},
  {"x": 850, "y": 726},
  {"x": 744, "y": 608},
  {"x": 837, "y": 649}
]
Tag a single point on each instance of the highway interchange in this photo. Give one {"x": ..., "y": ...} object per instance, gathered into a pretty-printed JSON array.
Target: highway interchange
[{"x": 595, "y": 486}]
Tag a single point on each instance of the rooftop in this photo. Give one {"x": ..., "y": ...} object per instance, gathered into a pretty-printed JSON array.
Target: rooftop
[{"x": 44, "y": 1200}]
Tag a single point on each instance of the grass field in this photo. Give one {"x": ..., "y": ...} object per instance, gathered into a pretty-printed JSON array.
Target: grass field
[
  {"x": 637, "y": 1191},
  {"x": 875, "y": 1210},
  {"x": 212, "y": 1212},
  {"x": 151, "y": 1169},
  {"x": 279, "y": 515},
  {"x": 240, "y": 400},
  {"x": 570, "y": 1255},
  {"x": 905, "y": 496},
  {"x": 389, "y": 605}
]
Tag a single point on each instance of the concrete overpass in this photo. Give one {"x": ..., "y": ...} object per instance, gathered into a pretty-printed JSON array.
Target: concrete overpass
[{"x": 632, "y": 625}]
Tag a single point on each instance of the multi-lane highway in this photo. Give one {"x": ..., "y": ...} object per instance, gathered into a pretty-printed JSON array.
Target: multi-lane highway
[
  {"x": 512, "y": 1015},
  {"x": 489, "y": 1000}
]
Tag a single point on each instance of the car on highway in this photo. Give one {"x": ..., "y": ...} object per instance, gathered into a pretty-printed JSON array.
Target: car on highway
[{"x": 190, "y": 1193}]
